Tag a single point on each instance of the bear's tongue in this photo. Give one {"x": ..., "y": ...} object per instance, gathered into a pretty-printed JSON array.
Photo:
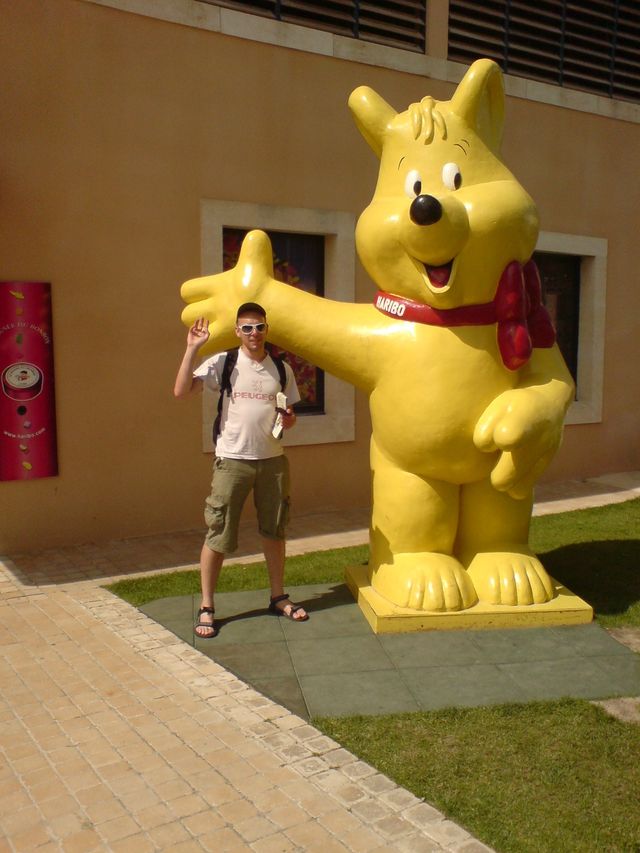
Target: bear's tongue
[{"x": 439, "y": 276}]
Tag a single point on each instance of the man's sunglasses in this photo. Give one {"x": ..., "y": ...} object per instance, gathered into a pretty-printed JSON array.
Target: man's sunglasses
[{"x": 248, "y": 328}]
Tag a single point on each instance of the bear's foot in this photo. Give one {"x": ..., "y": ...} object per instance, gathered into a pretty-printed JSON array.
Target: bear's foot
[
  {"x": 511, "y": 578},
  {"x": 425, "y": 582}
]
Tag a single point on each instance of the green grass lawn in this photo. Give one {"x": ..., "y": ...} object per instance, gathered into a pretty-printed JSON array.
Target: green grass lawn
[
  {"x": 319, "y": 567},
  {"x": 542, "y": 777},
  {"x": 596, "y": 554},
  {"x": 546, "y": 777}
]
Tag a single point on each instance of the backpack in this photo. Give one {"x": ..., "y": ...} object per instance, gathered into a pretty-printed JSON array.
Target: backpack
[{"x": 225, "y": 383}]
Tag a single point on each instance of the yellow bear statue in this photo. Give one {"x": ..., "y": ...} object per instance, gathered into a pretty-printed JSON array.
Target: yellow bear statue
[{"x": 467, "y": 388}]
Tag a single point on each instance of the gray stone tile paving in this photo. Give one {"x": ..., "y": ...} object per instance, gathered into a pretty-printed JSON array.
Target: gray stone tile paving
[{"x": 341, "y": 667}]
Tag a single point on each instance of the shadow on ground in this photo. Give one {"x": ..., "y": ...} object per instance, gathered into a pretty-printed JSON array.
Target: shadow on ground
[{"x": 606, "y": 574}]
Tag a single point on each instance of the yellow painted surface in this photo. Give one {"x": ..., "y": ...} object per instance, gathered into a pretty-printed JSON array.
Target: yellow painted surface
[
  {"x": 462, "y": 424},
  {"x": 116, "y": 126},
  {"x": 565, "y": 608}
]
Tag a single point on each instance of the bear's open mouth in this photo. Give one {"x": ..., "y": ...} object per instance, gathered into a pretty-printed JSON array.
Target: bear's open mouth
[{"x": 439, "y": 276}]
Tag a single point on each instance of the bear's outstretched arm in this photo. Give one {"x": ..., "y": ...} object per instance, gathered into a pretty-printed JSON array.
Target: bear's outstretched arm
[
  {"x": 525, "y": 424},
  {"x": 342, "y": 338}
]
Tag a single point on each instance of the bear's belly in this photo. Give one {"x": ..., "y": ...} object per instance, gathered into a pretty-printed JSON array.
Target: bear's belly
[{"x": 427, "y": 403}]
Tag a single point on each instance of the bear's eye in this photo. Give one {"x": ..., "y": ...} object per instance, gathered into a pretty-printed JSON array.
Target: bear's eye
[
  {"x": 413, "y": 184},
  {"x": 451, "y": 177}
]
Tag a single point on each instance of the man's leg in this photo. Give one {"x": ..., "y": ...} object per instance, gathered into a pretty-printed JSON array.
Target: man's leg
[
  {"x": 210, "y": 566},
  {"x": 232, "y": 482},
  {"x": 274, "y": 551},
  {"x": 271, "y": 498},
  {"x": 274, "y": 554}
]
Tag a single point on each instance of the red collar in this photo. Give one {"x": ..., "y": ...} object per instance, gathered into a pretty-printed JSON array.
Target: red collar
[{"x": 523, "y": 321}]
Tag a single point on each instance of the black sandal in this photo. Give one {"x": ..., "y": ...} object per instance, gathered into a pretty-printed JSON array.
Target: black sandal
[
  {"x": 279, "y": 611},
  {"x": 210, "y": 626}
]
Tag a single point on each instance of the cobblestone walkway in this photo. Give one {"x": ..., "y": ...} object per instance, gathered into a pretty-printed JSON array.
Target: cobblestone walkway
[{"x": 117, "y": 736}]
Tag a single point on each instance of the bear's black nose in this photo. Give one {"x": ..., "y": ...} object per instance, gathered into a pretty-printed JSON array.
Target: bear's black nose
[{"x": 425, "y": 210}]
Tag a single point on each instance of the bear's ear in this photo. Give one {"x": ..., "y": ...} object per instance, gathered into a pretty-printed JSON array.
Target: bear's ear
[
  {"x": 372, "y": 115},
  {"x": 479, "y": 100}
]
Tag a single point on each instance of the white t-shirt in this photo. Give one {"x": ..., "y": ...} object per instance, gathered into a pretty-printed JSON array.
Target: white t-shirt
[{"x": 249, "y": 413}]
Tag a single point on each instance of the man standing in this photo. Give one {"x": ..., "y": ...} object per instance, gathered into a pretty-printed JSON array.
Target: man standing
[{"x": 248, "y": 456}]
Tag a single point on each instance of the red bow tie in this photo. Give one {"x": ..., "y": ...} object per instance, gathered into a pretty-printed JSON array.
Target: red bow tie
[{"x": 522, "y": 319}]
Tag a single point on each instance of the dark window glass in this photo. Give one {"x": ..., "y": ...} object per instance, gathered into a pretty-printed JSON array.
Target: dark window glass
[
  {"x": 560, "y": 276},
  {"x": 298, "y": 260}
]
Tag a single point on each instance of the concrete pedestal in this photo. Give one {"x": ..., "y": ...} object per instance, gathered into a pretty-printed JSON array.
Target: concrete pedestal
[{"x": 386, "y": 618}]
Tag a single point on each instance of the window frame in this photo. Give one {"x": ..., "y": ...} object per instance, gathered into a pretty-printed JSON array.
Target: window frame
[
  {"x": 592, "y": 251},
  {"x": 337, "y": 422}
]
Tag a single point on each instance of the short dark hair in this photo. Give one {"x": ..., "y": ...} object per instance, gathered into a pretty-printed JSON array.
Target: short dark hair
[{"x": 251, "y": 308}]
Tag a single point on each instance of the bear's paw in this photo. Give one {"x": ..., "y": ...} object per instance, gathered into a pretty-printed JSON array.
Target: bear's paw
[
  {"x": 425, "y": 581},
  {"x": 514, "y": 578}
]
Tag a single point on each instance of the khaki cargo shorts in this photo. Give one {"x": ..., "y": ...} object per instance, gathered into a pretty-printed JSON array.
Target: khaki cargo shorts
[{"x": 233, "y": 480}]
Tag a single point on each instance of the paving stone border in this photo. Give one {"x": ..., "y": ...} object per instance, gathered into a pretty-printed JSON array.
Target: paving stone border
[{"x": 407, "y": 822}]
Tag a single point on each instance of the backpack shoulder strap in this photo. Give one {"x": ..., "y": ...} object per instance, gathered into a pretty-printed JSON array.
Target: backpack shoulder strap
[
  {"x": 279, "y": 362},
  {"x": 230, "y": 361}
]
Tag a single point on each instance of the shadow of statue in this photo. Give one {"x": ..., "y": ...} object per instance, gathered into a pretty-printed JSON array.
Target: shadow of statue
[{"x": 606, "y": 574}]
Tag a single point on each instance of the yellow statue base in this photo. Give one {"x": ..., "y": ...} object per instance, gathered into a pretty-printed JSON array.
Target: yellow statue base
[{"x": 565, "y": 608}]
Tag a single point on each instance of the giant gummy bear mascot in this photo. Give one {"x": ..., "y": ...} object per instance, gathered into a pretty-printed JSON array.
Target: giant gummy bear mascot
[{"x": 467, "y": 388}]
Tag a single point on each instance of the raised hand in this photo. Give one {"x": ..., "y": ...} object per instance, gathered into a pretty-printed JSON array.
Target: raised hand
[
  {"x": 197, "y": 337},
  {"x": 198, "y": 334}
]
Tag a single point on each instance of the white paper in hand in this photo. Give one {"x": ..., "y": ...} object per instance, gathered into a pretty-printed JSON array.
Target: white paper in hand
[{"x": 281, "y": 407}]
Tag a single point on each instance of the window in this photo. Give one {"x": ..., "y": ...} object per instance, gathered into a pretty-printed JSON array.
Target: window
[
  {"x": 298, "y": 260},
  {"x": 334, "y": 232},
  {"x": 573, "y": 271},
  {"x": 399, "y": 23},
  {"x": 590, "y": 46},
  {"x": 560, "y": 276}
]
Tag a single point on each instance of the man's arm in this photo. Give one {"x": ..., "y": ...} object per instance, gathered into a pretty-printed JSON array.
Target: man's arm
[{"x": 197, "y": 337}]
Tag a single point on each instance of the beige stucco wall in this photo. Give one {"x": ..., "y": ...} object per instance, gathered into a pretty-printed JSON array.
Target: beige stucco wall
[{"x": 115, "y": 127}]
